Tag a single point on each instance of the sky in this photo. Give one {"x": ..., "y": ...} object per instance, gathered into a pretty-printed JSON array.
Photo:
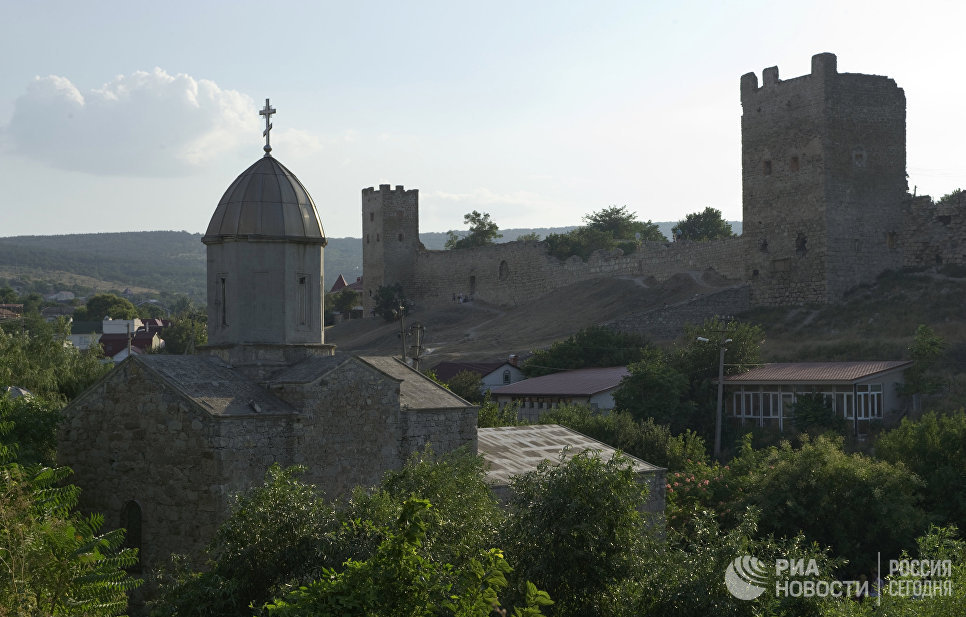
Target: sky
[{"x": 130, "y": 116}]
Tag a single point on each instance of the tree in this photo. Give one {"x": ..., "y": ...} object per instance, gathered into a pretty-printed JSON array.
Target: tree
[
  {"x": 483, "y": 231},
  {"x": 345, "y": 300},
  {"x": 574, "y": 526},
  {"x": 187, "y": 332},
  {"x": 106, "y": 305},
  {"x": 390, "y": 302},
  {"x": 655, "y": 389},
  {"x": 921, "y": 378},
  {"x": 934, "y": 447},
  {"x": 706, "y": 225},
  {"x": 814, "y": 413},
  {"x": 593, "y": 346},
  {"x": 468, "y": 385},
  {"x": 529, "y": 237},
  {"x": 623, "y": 225}
]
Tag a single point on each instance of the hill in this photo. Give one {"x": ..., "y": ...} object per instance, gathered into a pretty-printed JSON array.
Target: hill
[{"x": 162, "y": 262}]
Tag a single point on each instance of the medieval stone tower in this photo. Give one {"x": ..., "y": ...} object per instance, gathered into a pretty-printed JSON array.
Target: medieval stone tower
[
  {"x": 823, "y": 181},
  {"x": 390, "y": 239}
]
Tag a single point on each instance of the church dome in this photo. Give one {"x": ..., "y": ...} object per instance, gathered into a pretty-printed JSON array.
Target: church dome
[{"x": 266, "y": 202}]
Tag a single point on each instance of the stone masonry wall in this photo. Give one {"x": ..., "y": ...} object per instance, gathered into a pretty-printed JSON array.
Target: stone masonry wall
[
  {"x": 516, "y": 272},
  {"x": 129, "y": 438},
  {"x": 934, "y": 234},
  {"x": 444, "y": 429}
]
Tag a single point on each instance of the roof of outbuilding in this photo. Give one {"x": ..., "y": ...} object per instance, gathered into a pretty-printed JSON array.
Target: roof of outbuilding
[
  {"x": 447, "y": 370},
  {"x": 266, "y": 201},
  {"x": 416, "y": 391},
  {"x": 514, "y": 450},
  {"x": 817, "y": 372},
  {"x": 578, "y": 382}
]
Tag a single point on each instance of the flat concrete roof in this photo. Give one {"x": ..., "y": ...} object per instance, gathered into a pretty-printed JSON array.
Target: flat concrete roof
[{"x": 513, "y": 450}]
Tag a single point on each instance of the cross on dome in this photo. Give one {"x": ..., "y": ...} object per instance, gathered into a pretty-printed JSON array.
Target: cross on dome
[{"x": 267, "y": 112}]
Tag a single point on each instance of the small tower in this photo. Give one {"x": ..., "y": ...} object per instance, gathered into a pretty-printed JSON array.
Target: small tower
[
  {"x": 264, "y": 245},
  {"x": 390, "y": 240}
]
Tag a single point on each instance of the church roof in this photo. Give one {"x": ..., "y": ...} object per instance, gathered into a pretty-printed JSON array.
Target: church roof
[
  {"x": 416, "y": 391},
  {"x": 215, "y": 387},
  {"x": 266, "y": 202}
]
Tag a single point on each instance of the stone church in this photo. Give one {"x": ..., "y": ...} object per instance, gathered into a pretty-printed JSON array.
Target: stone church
[{"x": 162, "y": 442}]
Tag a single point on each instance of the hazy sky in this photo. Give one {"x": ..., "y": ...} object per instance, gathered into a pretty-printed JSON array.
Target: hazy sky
[{"x": 124, "y": 116}]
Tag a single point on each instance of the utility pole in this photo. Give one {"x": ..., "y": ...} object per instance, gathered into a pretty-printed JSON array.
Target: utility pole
[
  {"x": 718, "y": 412},
  {"x": 416, "y": 331}
]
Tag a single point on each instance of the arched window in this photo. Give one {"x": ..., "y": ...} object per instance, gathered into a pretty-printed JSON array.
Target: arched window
[{"x": 131, "y": 522}]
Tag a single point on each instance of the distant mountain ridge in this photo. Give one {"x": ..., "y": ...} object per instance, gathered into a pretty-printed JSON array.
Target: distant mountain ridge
[{"x": 170, "y": 262}]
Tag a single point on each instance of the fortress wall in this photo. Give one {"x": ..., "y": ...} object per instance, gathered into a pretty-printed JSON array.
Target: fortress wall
[
  {"x": 934, "y": 235},
  {"x": 516, "y": 272}
]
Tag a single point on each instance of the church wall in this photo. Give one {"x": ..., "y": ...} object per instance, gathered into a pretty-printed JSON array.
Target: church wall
[
  {"x": 444, "y": 429},
  {"x": 350, "y": 427},
  {"x": 130, "y": 438}
]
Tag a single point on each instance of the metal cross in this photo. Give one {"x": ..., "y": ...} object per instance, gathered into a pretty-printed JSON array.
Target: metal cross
[{"x": 267, "y": 112}]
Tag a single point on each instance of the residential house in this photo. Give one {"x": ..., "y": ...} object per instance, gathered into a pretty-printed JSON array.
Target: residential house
[
  {"x": 862, "y": 392},
  {"x": 586, "y": 386},
  {"x": 83, "y": 334},
  {"x": 492, "y": 374}
]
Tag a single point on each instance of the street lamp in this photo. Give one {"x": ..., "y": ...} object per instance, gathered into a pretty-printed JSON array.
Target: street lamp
[{"x": 717, "y": 420}]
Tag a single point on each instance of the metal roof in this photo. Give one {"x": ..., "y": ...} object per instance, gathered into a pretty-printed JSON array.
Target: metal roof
[
  {"x": 447, "y": 370},
  {"x": 817, "y": 372},
  {"x": 513, "y": 450},
  {"x": 578, "y": 382},
  {"x": 266, "y": 201}
]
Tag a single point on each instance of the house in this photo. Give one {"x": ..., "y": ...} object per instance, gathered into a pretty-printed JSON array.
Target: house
[
  {"x": 60, "y": 296},
  {"x": 10, "y": 311},
  {"x": 514, "y": 450},
  {"x": 492, "y": 374},
  {"x": 115, "y": 346},
  {"x": 340, "y": 284},
  {"x": 593, "y": 387},
  {"x": 862, "y": 392},
  {"x": 53, "y": 313},
  {"x": 83, "y": 334}
]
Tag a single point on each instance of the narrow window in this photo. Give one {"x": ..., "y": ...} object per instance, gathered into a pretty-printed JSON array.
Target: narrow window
[
  {"x": 766, "y": 168},
  {"x": 400, "y": 237},
  {"x": 377, "y": 237},
  {"x": 303, "y": 298},
  {"x": 793, "y": 164},
  {"x": 371, "y": 216},
  {"x": 506, "y": 376},
  {"x": 223, "y": 293}
]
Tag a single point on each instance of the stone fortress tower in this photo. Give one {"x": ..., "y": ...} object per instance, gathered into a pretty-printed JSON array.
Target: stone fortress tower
[
  {"x": 823, "y": 181},
  {"x": 390, "y": 239},
  {"x": 825, "y": 208}
]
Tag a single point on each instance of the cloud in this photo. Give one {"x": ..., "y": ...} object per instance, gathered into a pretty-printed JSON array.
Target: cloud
[{"x": 142, "y": 124}]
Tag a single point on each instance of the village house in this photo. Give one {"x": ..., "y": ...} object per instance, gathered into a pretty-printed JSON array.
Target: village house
[{"x": 593, "y": 387}]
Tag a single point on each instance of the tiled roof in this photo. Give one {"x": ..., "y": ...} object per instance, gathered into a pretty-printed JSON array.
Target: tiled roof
[
  {"x": 447, "y": 370},
  {"x": 514, "y": 450},
  {"x": 817, "y": 372},
  {"x": 416, "y": 391},
  {"x": 338, "y": 284},
  {"x": 578, "y": 382}
]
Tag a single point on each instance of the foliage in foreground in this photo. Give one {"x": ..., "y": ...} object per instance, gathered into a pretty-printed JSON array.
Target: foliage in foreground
[
  {"x": 590, "y": 347},
  {"x": 399, "y": 580},
  {"x": 53, "y": 561}
]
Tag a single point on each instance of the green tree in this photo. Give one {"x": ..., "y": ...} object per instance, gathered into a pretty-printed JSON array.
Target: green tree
[
  {"x": 655, "y": 389},
  {"x": 106, "y": 305},
  {"x": 706, "y": 225},
  {"x": 574, "y": 527},
  {"x": 814, "y": 414},
  {"x": 468, "y": 385},
  {"x": 581, "y": 242},
  {"x": 391, "y": 303},
  {"x": 187, "y": 332},
  {"x": 483, "y": 231},
  {"x": 593, "y": 346},
  {"x": 399, "y": 580},
  {"x": 31, "y": 428},
  {"x": 529, "y": 237},
  {"x": 623, "y": 225},
  {"x": 933, "y": 447},
  {"x": 922, "y": 378},
  {"x": 345, "y": 300}
]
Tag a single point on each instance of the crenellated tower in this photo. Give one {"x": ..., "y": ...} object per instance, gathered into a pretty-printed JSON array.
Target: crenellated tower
[
  {"x": 823, "y": 181},
  {"x": 390, "y": 239}
]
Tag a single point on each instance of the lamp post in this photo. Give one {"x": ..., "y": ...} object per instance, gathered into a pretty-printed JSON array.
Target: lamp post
[{"x": 717, "y": 419}]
